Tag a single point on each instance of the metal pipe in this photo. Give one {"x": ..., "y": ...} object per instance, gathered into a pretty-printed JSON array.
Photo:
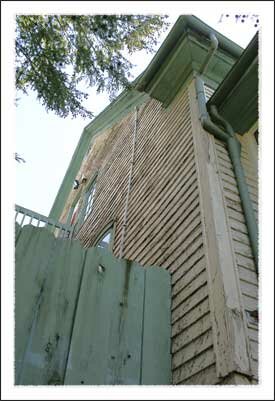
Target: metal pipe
[
  {"x": 234, "y": 150},
  {"x": 214, "y": 46},
  {"x": 128, "y": 187}
]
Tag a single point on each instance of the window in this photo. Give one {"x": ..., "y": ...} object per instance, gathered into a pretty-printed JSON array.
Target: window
[
  {"x": 82, "y": 206},
  {"x": 105, "y": 239},
  {"x": 74, "y": 213},
  {"x": 90, "y": 194}
]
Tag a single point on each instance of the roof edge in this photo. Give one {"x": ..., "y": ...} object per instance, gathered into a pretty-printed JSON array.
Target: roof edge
[
  {"x": 245, "y": 61},
  {"x": 183, "y": 25}
]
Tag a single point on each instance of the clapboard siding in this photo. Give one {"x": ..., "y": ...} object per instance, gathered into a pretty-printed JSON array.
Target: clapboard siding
[
  {"x": 164, "y": 226},
  {"x": 208, "y": 91},
  {"x": 241, "y": 243}
]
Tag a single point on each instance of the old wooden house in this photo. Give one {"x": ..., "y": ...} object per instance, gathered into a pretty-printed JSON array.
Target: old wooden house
[{"x": 167, "y": 176}]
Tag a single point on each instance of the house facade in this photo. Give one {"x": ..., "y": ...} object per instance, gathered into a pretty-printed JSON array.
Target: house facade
[{"x": 167, "y": 176}]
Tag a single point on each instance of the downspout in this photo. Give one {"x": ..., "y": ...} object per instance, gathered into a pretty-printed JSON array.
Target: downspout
[
  {"x": 234, "y": 149},
  {"x": 214, "y": 46},
  {"x": 124, "y": 225}
]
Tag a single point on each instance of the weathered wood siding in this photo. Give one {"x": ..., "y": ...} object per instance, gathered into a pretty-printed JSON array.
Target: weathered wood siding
[
  {"x": 208, "y": 92},
  {"x": 164, "y": 221},
  {"x": 246, "y": 266}
]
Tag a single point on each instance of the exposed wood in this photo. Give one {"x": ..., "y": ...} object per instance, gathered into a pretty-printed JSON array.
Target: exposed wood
[
  {"x": 229, "y": 329},
  {"x": 186, "y": 306},
  {"x": 196, "y": 283},
  {"x": 248, "y": 275},
  {"x": 242, "y": 248},
  {"x": 204, "y": 377},
  {"x": 199, "y": 363},
  {"x": 199, "y": 345},
  {"x": 236, "y": 379},
  {"x": 250, "y": 289},
  {"x": 190, "y": 333},
  {"x": 180, "y": 270},
  {"x": 191, "y": 317},
  {"x": 188, "y": 278}
]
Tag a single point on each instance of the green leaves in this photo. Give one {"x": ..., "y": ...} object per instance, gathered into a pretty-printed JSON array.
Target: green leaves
[{"x": 56, "y": 54}]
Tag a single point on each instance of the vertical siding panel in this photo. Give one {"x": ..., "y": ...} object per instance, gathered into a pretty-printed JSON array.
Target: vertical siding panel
[
  {"x": 156, "y": 366},
  {"x": 28, "y": 293},
  {"x": 61, "y": 261}
]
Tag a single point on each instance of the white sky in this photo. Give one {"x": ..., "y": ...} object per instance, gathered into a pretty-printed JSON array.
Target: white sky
[{"x": 47, "y": 143}]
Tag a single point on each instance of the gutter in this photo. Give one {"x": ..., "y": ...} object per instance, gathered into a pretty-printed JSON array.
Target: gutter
[
  {"x": 184, "y": 25},
  {"x": 228, "y": 136},
  {"x": 249, "y": 57}
]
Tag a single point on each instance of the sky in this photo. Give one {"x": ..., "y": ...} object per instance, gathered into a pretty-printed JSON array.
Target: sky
[{"x": 47, "y": 143}]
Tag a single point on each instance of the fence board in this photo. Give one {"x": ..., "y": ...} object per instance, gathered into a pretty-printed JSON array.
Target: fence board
[
  {"x": 81, "y": 316},
  {"x": 47, "y": 351},
  {"x": 156, "y": 364},
  {"x": 30, "y": 275}
]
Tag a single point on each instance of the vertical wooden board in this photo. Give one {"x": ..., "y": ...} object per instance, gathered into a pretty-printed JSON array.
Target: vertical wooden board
[
  {"x": 97, "y": 313},
  {"x": 48, "y": 347},
  {"x": 114, "y": 331},
  {"x": 17, "y": 231},
  {"x": 156, "y": 347},
  {"x": 32, "y": 255},
  {"x": 127, "y": 344}
]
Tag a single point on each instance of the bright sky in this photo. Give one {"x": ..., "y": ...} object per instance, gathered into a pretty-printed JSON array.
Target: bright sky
[{"x": 47, "y": 143}]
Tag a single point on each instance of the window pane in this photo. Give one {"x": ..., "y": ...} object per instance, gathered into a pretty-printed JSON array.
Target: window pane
[
  {"x": 75, "y": 212},
  {"x": 105, "y": 241},
  {"x": 90, "y": 201}
]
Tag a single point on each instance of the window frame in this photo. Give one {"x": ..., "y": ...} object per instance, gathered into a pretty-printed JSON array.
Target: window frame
[
  {"x": 71, "y": 210},
  {"x": 111, "y": 226},
  {"x": 90, "y": 186}
]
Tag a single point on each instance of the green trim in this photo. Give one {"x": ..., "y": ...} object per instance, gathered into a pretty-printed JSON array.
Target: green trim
[
  {"x": 234, "y": 150},
  {"x": 240, "y": 83},
  {"x": 183, "y": 25}
]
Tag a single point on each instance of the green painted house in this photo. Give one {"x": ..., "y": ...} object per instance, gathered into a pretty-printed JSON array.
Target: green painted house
[{"x": 167, "y": 176}]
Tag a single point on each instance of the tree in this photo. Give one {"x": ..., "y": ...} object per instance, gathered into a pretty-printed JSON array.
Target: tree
[{"x": 55, "y": 55}]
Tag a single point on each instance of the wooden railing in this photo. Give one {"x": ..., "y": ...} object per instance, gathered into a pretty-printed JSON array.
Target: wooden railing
[{"x": 25, "y": 216}]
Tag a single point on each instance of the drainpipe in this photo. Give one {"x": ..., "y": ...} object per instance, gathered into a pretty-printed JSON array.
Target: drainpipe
[
  {"x": 214, "y": 46},
  {"x": 234, "y": 149},
  {"x": 128, "y": 188}
]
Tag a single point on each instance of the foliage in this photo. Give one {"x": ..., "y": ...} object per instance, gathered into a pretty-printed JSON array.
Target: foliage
[{"x": 56, "y": 54}]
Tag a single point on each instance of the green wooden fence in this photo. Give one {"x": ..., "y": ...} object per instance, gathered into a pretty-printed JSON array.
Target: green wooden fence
[{"x": 84, "y": 317}]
